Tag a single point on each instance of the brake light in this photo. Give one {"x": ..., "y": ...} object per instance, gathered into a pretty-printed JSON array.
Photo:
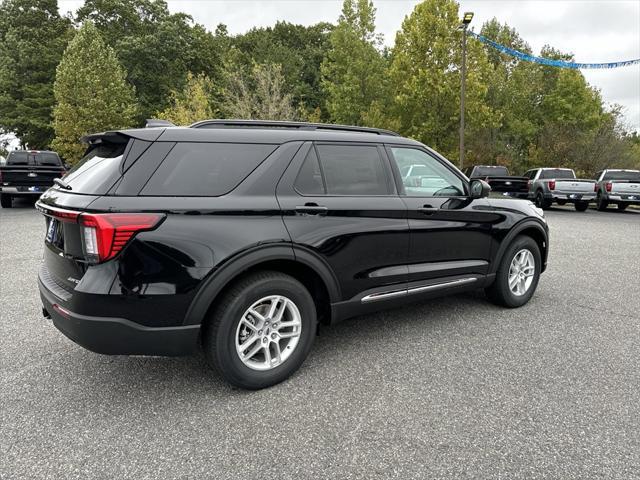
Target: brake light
[
  {"x": 595, "y": 187},
  {"x": 608, "y": 186},
  {"x": 106, "y": 234},
  {"x": 552, "y": 184}
]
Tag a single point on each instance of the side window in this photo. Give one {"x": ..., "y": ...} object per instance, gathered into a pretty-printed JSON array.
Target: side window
[
  {"x": 353, "y": 170},
  {"x": 205, "y": 169},
  {"x": 425, "y": 176},
  {"x": 309, "y": 179}
]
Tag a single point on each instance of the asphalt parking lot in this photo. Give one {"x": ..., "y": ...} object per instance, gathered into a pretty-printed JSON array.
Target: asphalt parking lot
[{"x": 453, "y": 388}]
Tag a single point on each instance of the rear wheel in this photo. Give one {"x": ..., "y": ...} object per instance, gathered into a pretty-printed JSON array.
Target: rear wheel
[
  {"x": 622, "y": 206},
  {"x": 541, "y": 202},
  {"x": 261, "y": 330},
  {"x": 602, "y": 204},
  {"x": 581, "y": 206},
  {"x": 518, "y": 274},
  {"x": 6, "y": 201}
]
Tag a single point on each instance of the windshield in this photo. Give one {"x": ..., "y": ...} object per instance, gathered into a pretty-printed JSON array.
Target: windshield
[
  {"x": 633, "y": 175},
  {"x": 557, "y": 173}
]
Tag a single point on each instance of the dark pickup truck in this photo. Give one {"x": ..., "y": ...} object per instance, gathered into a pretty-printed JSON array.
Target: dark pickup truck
[
  {"x": 28, "y": 172},
  {"x": 499, "y": 179}
]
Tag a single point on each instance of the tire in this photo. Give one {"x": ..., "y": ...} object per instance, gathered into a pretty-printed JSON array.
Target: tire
[
  {"x": 562, "y": 202},
  {"x": 6, "y": 201},
  {"x": 581, "y": 206},
  {"x": 540, "y": 201},
  {"x": 602, "y": 204},
  {"x": 223, "y": 331},
  {"x": 622, "y": 206},
  {"x": 499, "y": 292}
]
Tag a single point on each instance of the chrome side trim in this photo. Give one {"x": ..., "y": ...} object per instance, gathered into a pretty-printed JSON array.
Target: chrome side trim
[
  {"x": 437, "y": 286},
  {"x": 383, "y": 295},
  {"x": 425, "y": 288}
]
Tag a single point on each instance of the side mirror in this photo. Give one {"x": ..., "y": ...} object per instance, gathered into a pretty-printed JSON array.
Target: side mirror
[{"x": 479, "y": 188}]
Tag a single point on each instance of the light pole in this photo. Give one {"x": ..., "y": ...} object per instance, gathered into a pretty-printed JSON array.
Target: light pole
[{"x": 466, "y": 20}]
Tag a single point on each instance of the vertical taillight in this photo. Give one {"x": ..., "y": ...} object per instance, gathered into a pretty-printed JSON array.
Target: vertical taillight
[
  {"x": 106, "y": 234},
  {"x": 552, "y": 184},
  {"x": 608, "y": 186},
  {"x": 595, "y": 187}
]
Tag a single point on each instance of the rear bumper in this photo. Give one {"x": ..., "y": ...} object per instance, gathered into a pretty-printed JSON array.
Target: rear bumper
[
  {"x": 624, "y": 198},
  {"x": 571, "y": 197},
  {"x": 118, "y": 336},
  {"x": 25, "y": 190}
]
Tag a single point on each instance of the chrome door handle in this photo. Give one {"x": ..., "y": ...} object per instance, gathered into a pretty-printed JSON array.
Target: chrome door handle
[
  {"x": 312, "y": 209},
  {"x": 428, "y": 209}
]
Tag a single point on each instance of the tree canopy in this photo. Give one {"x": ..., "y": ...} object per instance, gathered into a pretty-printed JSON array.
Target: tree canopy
[
  {"x": 145, "y": 61},
  {"x": 91, "y": 93}
]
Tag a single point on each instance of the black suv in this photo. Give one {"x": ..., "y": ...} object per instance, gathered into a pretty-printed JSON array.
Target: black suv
[{"x": 243, "y": 236}]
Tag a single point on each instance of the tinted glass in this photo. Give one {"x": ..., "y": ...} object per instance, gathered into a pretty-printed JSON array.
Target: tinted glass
[
  {"x": 556, "y": 173},
  {"x": 98, "y": 170},
  {"x": 630, "y": 175},
  {"x": 18, "y": 158},
  {"x": 491, "y": 172},
  {"x": 426, "y": 176},
  {"x": 205, "y": 169},
  {"x": 47, "y": 158},
  {"x": 309, "y": 179},
  {"x": 353, "y": 170}
]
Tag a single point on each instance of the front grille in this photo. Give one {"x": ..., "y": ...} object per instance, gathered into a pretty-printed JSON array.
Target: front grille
[{"x": 53, "y": 285}]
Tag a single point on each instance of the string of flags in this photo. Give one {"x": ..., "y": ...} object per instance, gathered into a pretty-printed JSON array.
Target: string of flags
[{"x": 548, "y": 61}]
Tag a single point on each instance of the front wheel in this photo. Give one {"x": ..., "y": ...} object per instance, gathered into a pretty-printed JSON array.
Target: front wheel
[
  {"x": 581, "y": 206},
  {"x": 261, "y": 330},
  {"x": 6, "y": 201},
  {"x": 517, "y": 275}
]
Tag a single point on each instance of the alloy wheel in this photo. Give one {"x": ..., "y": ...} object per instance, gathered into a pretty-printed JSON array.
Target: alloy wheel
[
  {"x": 521, "y": 272},
  {"x": 268, "y": 332}
]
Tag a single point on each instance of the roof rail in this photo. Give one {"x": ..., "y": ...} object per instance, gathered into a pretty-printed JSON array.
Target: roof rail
[
  {"x": 156, "y": 122},
  {"x": 216, "y": 123}
]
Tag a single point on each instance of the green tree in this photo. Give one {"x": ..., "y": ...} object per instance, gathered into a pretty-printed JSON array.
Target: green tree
[
  {"x": 91, "y": 92},
  {"x": 425, "y": 75},
  {"x": 258, "y": 94},
  {"x": 156, "y": 48},
  {"x": 298, "y": 49},
  {"x": 191, "y": 104},
  {"x": 32, "y": 39},
  {"x": 354, "y": 71}
]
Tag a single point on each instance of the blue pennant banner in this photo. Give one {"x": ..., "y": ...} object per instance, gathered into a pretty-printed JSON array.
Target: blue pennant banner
[{"x": 548, "y": 61}]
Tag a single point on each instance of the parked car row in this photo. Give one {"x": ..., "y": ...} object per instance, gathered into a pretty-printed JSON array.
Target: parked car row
[{"x": 548, "y": 186}]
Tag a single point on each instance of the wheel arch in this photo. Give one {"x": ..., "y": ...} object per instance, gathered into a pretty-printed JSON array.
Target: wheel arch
[
  {"x": 303, "y": 265},
  {"x": 530, "y": 228}
]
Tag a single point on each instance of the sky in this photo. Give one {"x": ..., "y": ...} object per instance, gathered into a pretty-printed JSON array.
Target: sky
[{"x": 593, "y": 30}]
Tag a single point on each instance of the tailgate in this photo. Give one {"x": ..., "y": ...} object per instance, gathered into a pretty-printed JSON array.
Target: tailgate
[
  {"x": 625, "y": 187},
  {"x": 575, "y": 186},
  {"x": 26, "y": 176},
  {"x": 509, "y": 184},
  {"x": 63, "y": 256}
]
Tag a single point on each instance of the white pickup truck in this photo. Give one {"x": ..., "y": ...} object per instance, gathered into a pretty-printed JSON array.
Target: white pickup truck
[
  {"x": 621, "y": 187},
  {"x": 559, "y": 185}
]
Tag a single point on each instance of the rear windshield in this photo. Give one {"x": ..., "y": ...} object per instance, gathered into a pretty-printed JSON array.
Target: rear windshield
[
  {"x": 34, "y": 158},
  {"x": 557, "y": 173},
  {"x": 205, "y": 169},
  {"x": 629, "y": 175},
  {"x": 491, "y": 172},
  {"x": 98, "y": 170}
]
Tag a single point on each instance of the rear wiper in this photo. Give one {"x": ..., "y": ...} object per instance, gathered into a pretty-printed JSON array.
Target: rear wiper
[{"x": 61, "y": 183}]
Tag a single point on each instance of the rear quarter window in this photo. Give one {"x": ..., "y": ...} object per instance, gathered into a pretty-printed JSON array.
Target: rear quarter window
[
  {"x": 98, "y": 170},
  {"x": 205, "y": 169}
]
